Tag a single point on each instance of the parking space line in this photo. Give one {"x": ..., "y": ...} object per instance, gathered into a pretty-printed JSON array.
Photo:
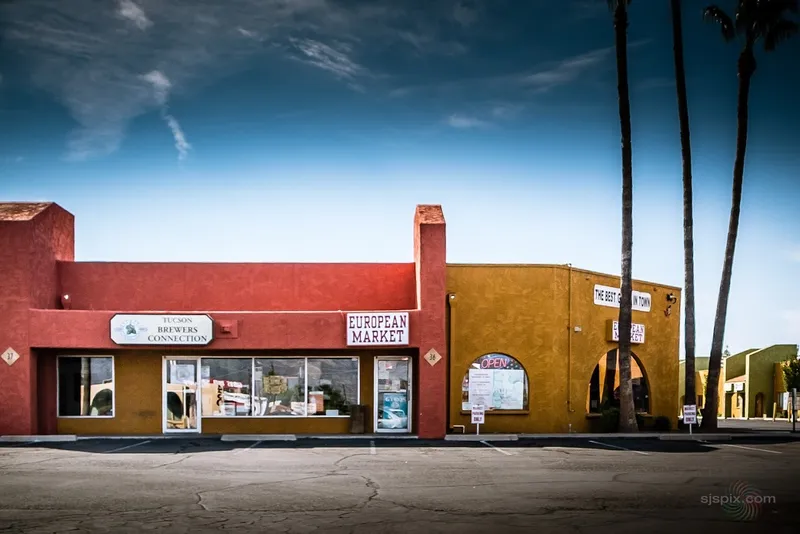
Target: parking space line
[
  {"x": 498, "y": 449},
  {"x": 249, "y": 447},
  {"x": 128, "y": 446},
  {"x": 617, "y": 447},
  {"x": 740, "y": 447},
  {"x": 372, "y": 449}
]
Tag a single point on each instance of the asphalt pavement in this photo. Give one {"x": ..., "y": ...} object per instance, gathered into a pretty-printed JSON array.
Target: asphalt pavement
[{"x": 373, "y": 485}]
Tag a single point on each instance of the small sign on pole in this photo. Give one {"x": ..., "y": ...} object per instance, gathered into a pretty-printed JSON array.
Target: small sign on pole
[
  {"x": 794, "y": 409},
  {"x": 478, "y": 414},
  {"x": 690, "y": 415}
]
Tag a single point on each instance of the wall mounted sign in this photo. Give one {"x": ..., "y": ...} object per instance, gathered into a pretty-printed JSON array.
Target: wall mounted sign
[
  {"x": 377, "y": 328},
  {"x": 637, "y": 332},
  {"x": 432, "y": 357},
  {"x": 609, "y": 296},
  {"x": 10, "y": 356},
  {"x": 145, "y": 329},
  {"x": 738, "y": 386}
]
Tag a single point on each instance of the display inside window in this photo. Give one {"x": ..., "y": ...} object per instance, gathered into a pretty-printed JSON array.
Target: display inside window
[
  {"x": 332, "y": 386},
  {"x": 85, "y": 386},
  {"x": 496, "y": 381},
  {"x": 226, "y": 386},
  {"x": 279, "y": 387}
]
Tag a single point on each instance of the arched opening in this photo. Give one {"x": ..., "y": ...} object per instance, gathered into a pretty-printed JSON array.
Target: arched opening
[
  {"x": 605, "y": 380},
  {"x": 103, "y": 403},
  {"x": 759, "y": 405},
  {"x": 504, "y": 383}
]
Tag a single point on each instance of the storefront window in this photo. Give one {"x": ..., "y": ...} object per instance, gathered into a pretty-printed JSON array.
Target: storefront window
[
  {"x": 85, "y": 386},
  {"x": 504, "y": 383},
  {"x": 226, "y": 386},
  {"x": 279, "y": 387},
  {"x": 332, "y": 385}
]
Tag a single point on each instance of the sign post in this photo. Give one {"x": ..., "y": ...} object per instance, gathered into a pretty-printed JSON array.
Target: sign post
[
  {"x": 690, "y": 415},
  {"x": 478, "y": 414},
  {"x": 794, "y": 409}
]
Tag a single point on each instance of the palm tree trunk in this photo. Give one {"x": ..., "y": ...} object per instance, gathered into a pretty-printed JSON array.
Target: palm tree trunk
[
  {"x": 747, "y": 66},
  {"x": 610, "y": 379},
  {"x": 688, "y": 219},
  {"x": 627, "y": 415}
]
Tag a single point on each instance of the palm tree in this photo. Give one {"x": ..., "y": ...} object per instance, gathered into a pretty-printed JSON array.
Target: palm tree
[
  {"x": 627, "y": 414},
  {"x": 688, "y": 222},
  {"x": 755, "y": 20}
]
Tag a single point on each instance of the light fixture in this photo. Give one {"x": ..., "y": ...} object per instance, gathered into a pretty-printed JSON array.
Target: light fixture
[{"x": 66, "y": 303}]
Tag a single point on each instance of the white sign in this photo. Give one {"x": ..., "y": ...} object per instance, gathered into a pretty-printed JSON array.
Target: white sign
[
  {"x": 690, "y": 414},
  {"x": 377, "y": 328},
  {"x": 481, "y": 385},
  {"x": 728, "y": 387},
  {"x": 10, "y": 356},
  {"x": 141, "y": 329},
  {"x": 610, "y": 296},
  {"x": 637, "y": 332},
  {"x": 478, "y": 414},
  {"x": 738, "y": 386}
]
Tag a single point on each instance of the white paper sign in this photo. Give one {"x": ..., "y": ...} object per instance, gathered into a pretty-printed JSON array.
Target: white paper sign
[
  {"x": 481, "y": 385},
  {"x": 377, "y": 328},
  {"x": 690, "y": 414},
  {"x": 637, "y": 332},
  {"x": 143, "y": 329},
  {"x": 610, "y": 296},
  {"x": 738, "y": 386},
  {"x": 478, "y": 414}
]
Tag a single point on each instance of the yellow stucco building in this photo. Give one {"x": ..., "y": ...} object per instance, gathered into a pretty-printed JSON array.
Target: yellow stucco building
[{"x": 540, "y": 338}]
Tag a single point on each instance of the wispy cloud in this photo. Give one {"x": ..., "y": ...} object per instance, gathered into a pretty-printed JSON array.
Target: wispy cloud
[
  {"x": 161, "y": 87},
  {"x": 465, "y": 13},
  {"x": 336, "y": 61},
  {"x": 464, "y": 122},
  {"x": 794, "y": 254},
  {"x": 92, "y": 59},
  {"x": 506, "y": 111},
  {"x": 565, "y": 71},
  {"x": 651, "y": 84},
  {"x": 134, "y": 13}
]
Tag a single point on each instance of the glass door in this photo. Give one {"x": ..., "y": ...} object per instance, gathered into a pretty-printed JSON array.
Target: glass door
[
  {"x": 181, "y": 403},
  {"x": 393, "y": 394}
]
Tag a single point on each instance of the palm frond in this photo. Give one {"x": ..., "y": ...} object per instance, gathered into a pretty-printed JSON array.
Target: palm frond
[
  {"x": 716, "y": 14},
  {"x": 778, "y": 33}
]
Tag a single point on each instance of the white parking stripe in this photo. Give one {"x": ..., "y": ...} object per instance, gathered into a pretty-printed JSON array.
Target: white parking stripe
[
  {"x": 372, "y": 449},
  {"x": 129, "y": 446},
  {"x": 741, "y": 447},
  {"x": 617, "y": 447},
  {"x": 496, "y": 448},
  {"x": 249, "y": 447}
]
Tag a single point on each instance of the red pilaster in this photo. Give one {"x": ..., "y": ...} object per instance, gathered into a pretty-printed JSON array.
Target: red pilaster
[
  {"x": 430, "y": 259},
  {"x": 33, "y": 237}
]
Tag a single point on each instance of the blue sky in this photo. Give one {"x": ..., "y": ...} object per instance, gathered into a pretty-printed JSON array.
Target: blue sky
[{"x": 307, "y": 130}]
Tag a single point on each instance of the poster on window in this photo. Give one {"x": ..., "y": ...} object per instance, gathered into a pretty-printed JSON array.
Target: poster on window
[
  {"x": 182, "y": 373},
  {"x": 508, "y": 389},
  {"x": 394, "y": 412},
  {"x": 481, "y": 383}
]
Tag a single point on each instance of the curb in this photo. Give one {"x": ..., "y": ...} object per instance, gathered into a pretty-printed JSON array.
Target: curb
[
  {"x": 39, "y": 439},
  {"x": 258, "y": 437},
  {"x": 481, "y": 437}
]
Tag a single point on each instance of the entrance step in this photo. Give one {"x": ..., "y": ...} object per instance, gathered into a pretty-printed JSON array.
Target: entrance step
[{"x": 481, "y": 437}]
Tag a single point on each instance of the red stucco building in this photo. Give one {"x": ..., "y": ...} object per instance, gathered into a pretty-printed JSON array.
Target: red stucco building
[{"x": 98, "y": 348}]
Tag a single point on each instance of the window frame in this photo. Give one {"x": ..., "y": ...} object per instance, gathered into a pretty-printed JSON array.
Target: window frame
[
  {"x": 305, "y": 359},
  {"x": 113, "y": 391}
]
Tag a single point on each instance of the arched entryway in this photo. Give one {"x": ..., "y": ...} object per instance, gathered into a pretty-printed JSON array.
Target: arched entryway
[
  {"x": 759, "y": 408},
  {"x": 604, "y": 384}
]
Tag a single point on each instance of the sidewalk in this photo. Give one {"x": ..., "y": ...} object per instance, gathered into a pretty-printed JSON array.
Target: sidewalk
[{"x": 411, "y": 439}]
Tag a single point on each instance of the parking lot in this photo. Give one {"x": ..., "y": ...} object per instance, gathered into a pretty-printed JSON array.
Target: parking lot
[{"x": 369, "y": 485}]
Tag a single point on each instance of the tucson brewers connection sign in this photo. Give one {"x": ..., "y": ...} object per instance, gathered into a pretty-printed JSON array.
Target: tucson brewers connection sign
[
  {"x": 377, "y": 328},
  {"x": 136, "y": 329}
]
